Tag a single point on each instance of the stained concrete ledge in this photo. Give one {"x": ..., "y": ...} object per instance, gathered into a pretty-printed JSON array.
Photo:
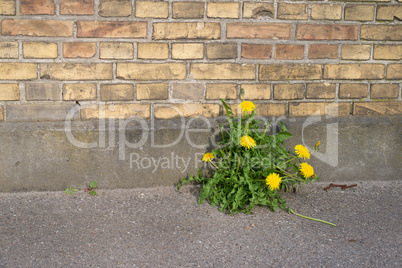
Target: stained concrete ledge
[{"x": 138, "y": 153}]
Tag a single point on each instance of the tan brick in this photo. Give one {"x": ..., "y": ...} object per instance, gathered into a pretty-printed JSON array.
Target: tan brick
[
  {"x": 8, "y": 50},
  {"x": 42, "y": 91},
  {"x": 388, "y": 91},
  {"x": 1, "y": 111},
  {"x": 187, "y": 51},
  {"x": 390, "y": 12},
  {"x": 354, "y": 71},
  {"x": 76, "y": 71},
  {"x": 257, "y": 91},
  {"x": 258, "y": 30},
  {"x": 113, "y": 29},
  {"x": 320, "y": 91},
  {"x": 7, "y": 7},
  {"x": 18, "y": 71},
  {"x": 188, "y": 10},
  {"x": 188, "y": 91},
  {"x": 9, "y": 92},
  {"x": 255, "y": 51},
  {"x": 79, "y": 50},
  {"x": 39, "y": 50},
  {"x": 290, "y": 72},
  {"x": 288, "y": 91},
  {"x": 187, "y": 30},
  {"x": 151, "y": 9},
  {"x": 356, "y": 52},
  {"x": 377, "y": 108},
  {"x": 359, "y": 12},
  {"x": 381, "y": 32},
  {"x": 222, "y": 71},
  {"x": 319, "y": 109},
  {"x": 289, "y": 52},
  {"x": 323, "y": 51},
  {"x": 326, "y": 12},
  {"x": 271, "y": 109},
  {"x": 353, "y": 91},
  {"x": 46, "y": 28},
  {"x": 115, "y": 111},
  {"x": 38, "y": 112},
  {"x": 255, "y": 10},
  {"x": 78, "y": 92},
  {"x": 151, "y": 71},
  {"x": 223, "y": 10},
  {"x": 224, "y": 91},
  {"x": 159, "y": 91},
  {"x": 115, "y": 8},
  {"x": 221, "y": 51},
  {"x": 167, "y": 111},
  {"x": 155, "y": 51},
  {"x": 388, "y": 52},
  {"x": 76, "y": 7},
  {"x": 292, "y": 11},
  {"x": 37, "y": 7},
  {"x": 394, "y": 71},
  {"x": 326, "y": 32},
  {"x": 112, "y": 50},
  {"x": 117, "y": 92}
]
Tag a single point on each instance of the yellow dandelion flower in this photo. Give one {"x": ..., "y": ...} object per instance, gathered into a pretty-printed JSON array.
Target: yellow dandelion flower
[
  {"x": 247, "y": 142},
  {"x": 207, "y": 157},
  {"x": 247, "y": 106},
  {"x": 273, "y": 180},
  {"x": 306, "y": 170},
  {"x": 302, "y": 151}
]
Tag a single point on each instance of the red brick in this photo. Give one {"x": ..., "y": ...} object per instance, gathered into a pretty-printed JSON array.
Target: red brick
[
  {"x": 79, "y": 50},
  {"x": 326, "y": 32},
  {"x": 259, "y": 30},
  {"x": 37, "y": 7},
  {"x": 319, "y": 51},
  {"x": 253, "y": 51},
  {"x": 289, "y": 52},
  {"x": 76, "y": 7},
  {"x": 45, "y": 28},
  {"x": 118, "y": 29}
]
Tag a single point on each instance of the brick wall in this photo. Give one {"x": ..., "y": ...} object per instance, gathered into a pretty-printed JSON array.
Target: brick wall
[{"x": 291, "y": 57}]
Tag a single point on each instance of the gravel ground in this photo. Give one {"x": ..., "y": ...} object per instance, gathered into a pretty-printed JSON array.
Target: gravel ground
[{"x": 160, "y": 227}]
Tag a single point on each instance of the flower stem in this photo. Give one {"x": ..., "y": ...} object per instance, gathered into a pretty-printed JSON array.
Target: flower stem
[{"x": 313, "y": 219}]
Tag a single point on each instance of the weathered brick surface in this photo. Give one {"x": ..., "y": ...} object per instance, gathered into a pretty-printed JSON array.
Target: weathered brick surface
[
  {"x": 8, "y": 50},
  {"x": 167, "y": 111},
  {"x": 381, "y": 32},
  {"x": 290, "y": 72},
  {"x": 223, "y": 10},
  {"x": 354, "y": 71},
  {"x": 388, "y": 91},
  {"x": 292, "y": 11},
  {"x": 158, "y": 91},
  {"x": 77, "y": 7},
  {"x": 221, "y": 51},
  {"x": 288, "y": 91},
  {"x": 188, "y": 91},
  {"x": 256, "y": 51},
  {"x": 224, "y": 91},
  {"x": 115, "y": 111},
  {"x": 353, "y": 91},
  {"x": 222, "y": 71},
  {"x": 388, "y": 52},
  {"x": 118, "y": 29},
  {"x": 271, "y": 109},
  {"x": 289, "y": 52},
  {"x": 394, "y": 71},
  {"x": 116, "y": 92},
  {"x": 187, "y": 10},
  {"x": 9, "y": 92},
  {"x": 79, "y": 50},
  {"x": 47, "y": 28},
  {"x": 37, "y": 112},
  {"x": 7, "y": 7},
  {"x": 151, "y": 71},
  {"x": 113, "y": 50},
  {"x": 151, "y": 9},
  {"x": 78, "y": 92},
  {"x": 18, "y": 71},
  {"x": 326, "y": 12},
  {"x": 187, "y": 30},
  {"x": 257, "y": 91},
  {"x": 322, "y": 51},
  {"x": 377, "y": 108},
  {"x": 359, "y": 12},
  {"x": 319, "y": 109},
  {"x": 39, "y": 50},
  {"x": 37, "y": 7},
  {"x": 157, "y": 51},
  {"x": 42, "y": 91},
  {"x": 76, "y": 71},
  {"x": 187, "y": 51},
  {"x": 356, "y": 52},
  {"x": 115, "y": 8},
  {"x": 258, "y": 10},
  {"x": 326, "y": 32},
  {"x": 258, "y": 30},
  {"x": 392, "y": 12},
  {"x": 1, "y": 113},
  {"x": 320, "y": 91}
]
